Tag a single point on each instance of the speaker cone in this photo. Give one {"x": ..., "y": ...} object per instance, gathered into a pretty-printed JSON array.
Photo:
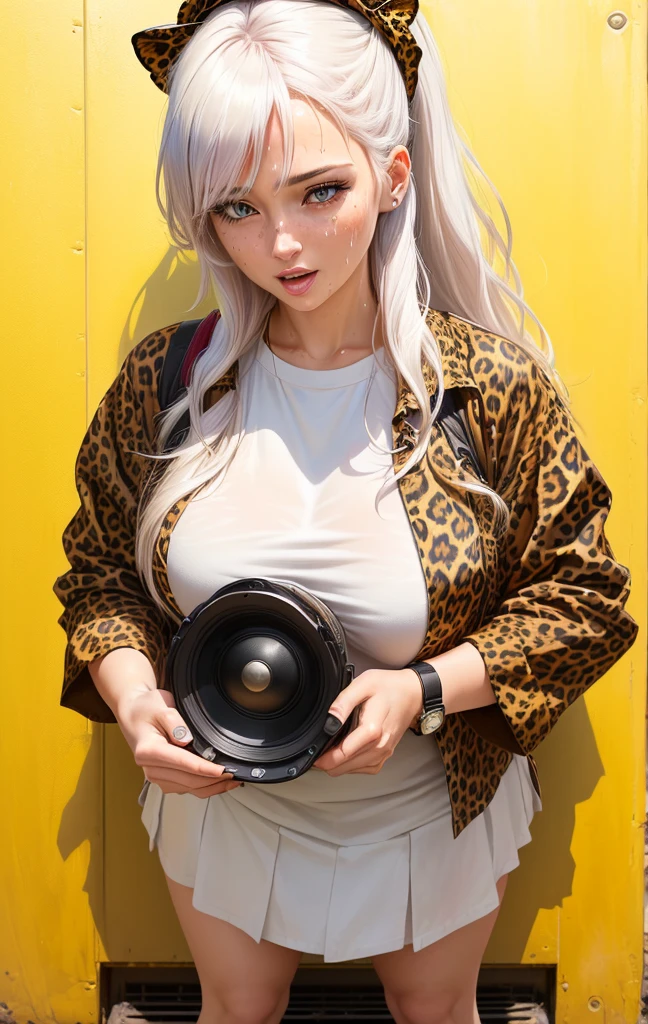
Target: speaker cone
[{"x": 253, "y": 671}]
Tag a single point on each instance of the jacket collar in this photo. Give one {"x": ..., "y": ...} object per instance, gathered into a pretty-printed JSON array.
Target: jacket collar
[
  {"x": 451, "y": 334},
  {"x": 453, "y": 377}
]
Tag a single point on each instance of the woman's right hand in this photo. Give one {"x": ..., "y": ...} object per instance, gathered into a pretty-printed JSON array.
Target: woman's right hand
[{"x": 147, "y": 719}]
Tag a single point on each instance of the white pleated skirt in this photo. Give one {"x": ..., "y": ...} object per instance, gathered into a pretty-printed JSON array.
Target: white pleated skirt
[{"x": 341, "y": 900}]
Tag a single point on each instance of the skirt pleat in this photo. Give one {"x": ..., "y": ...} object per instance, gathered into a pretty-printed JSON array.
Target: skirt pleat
[
  {"x": 368, "y": 900},
  {"x": 341, "y": 901},
  {"x": 454, "y": 883},
  {"x": 300, "y": 860},
  {"x": 236, "y": 865}
]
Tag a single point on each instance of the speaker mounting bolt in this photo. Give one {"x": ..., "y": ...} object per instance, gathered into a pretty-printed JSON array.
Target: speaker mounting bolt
[
  {"x": 209, "y": 754},
  {"x": 257, "y": 773},
  {"x": 311, "y": 750},
  {"x": 291, "y": 771}
]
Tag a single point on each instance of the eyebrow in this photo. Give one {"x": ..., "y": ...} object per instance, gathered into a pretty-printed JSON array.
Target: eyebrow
[
  {"x": 297, "y": 178},
  {"x": 237, "y": 194}
]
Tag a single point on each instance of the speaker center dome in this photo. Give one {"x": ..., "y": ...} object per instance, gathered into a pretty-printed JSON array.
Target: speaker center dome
[
  {"x": 256, "y": 676},
  {"x": 260, "y": 673}
]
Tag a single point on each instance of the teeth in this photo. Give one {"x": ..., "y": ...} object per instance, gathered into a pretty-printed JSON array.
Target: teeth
[{"x": 291, "y": 277}]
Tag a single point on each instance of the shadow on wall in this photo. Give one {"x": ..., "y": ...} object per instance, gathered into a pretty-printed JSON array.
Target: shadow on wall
[
  {"x": 165, "y": 298},
  {"x": 128, "y": 897},
  {"x": 126, "y": 890},
  {"x": 570, "y": 767}
]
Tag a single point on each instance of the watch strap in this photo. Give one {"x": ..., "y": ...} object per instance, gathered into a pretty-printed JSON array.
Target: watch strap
[{"x": 430, "y": 686}]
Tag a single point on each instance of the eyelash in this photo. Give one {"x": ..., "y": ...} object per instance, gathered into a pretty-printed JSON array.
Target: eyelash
[{"x": 340, "y": 186}]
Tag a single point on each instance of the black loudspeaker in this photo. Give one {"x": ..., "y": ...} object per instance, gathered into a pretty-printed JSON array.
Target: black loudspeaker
[{"x": 253, "y": 671}]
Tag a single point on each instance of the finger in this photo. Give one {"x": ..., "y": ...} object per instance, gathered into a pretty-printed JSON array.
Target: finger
[
  {"x": 205, "y": 786},
  {"x": 360, "y": 765},
  {"x": 167, "y": 697},
  {"x": 344, "y": 750},
  {"x": 355, "y": 693},
  {"x": 156, "y": 751},
  {"x": 203, "y": 792},
  {"x": 208, "y": 791},
  {"x": 369, "y": 734},
  {"x": 171, "y": 723},
  {"x": 185, "y": 779}
]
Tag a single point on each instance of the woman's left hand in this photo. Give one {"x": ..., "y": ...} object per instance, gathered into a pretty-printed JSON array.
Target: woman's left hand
[{"x": 390, "y": 700}]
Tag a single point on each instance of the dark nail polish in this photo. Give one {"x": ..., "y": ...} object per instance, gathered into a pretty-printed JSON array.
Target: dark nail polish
[{"x": 332, "y": 725}]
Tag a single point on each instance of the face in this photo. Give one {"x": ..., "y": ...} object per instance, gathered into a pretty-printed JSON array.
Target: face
[{"x": 321, "y": 222}]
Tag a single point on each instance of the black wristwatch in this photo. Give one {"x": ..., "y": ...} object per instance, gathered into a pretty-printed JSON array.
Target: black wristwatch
[{"x": 433, "y": 714}]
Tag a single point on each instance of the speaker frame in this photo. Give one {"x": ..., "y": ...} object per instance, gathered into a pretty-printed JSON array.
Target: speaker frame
[{"x": 325, "y": 638}]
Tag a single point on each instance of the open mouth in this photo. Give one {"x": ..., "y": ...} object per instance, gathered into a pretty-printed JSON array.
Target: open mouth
[{"x": 299, "y": 284}]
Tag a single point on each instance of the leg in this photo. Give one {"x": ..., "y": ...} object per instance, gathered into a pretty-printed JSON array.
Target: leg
[
  {"x": 438, "y": 984},
  {"x": 242, "y": 981}
]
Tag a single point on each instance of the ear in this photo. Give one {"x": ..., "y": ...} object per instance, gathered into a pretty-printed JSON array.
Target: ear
[{"x": 398, "y": 177}]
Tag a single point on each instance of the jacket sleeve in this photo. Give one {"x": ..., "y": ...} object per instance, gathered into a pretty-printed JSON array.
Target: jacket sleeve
[
  {"x": 561, "y": 622},
  {"x": 105, "y": 604}
]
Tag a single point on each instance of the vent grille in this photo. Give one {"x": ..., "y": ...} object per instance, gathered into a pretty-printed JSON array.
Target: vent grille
[
  {"x": 342, "y": 1003},
  {"x": 318, "y": 995}
]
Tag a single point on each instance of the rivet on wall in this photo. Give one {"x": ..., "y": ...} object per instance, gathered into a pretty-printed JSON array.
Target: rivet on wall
[{"x": 617, "y": 20}]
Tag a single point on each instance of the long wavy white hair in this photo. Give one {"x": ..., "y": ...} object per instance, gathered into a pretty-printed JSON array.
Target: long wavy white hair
[{"x": 248, "y": 59}]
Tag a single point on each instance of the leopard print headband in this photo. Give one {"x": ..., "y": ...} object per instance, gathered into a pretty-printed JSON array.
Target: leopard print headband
[{"x": 158, "y": 47}]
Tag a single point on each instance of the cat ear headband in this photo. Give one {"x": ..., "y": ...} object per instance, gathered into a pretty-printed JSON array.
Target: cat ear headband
[{"x": 158, "y": 47}]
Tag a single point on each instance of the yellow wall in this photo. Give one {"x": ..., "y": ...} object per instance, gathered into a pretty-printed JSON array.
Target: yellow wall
[{"x": 552, "y": 101}]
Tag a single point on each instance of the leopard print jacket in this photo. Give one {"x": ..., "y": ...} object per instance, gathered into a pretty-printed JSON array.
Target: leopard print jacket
[{"x": 544, "y": 604}]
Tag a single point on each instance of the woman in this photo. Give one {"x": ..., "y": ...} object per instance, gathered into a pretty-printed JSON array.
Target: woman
[{"x": 310, "y": 160}]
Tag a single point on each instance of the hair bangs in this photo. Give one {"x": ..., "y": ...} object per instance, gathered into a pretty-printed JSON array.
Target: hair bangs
[{"x": 222, "y": 128}]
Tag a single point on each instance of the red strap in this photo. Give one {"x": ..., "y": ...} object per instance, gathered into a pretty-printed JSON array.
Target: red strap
[{"x": 198, "y": 344}]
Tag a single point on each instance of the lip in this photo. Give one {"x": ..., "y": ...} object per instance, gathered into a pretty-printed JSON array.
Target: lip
[
  {"x": 301, "y": 284},
  {"x": 295, "y": 270}
]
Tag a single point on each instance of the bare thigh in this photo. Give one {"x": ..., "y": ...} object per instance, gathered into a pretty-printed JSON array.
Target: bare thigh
[
  {"x": 242, "y": 981},
  {"x": 438, "y": 984}
]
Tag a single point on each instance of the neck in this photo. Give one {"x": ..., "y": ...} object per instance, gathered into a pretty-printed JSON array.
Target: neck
[{"x": 335, "y": 334}]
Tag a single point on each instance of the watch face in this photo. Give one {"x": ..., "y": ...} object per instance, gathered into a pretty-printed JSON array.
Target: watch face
[{"x": 431, "y": 722}]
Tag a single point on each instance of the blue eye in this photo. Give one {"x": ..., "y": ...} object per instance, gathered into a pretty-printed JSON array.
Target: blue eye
[
  {"x": 226, "y": 216},
  {"x": 336, "y": 187},
  {"x": 323, "y": 188}
]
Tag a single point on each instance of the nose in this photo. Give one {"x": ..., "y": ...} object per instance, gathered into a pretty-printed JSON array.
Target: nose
[{"x": 286, "y": 246}]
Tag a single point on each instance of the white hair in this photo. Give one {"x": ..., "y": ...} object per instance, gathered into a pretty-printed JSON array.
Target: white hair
[{"x": 248, "y": 59}]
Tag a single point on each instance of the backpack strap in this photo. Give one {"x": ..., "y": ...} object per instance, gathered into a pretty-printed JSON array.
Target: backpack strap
[
  {"x": 190, "y": 338},
  {"x": 193, "y": 336},
  {"x": 170, "y": 385}
]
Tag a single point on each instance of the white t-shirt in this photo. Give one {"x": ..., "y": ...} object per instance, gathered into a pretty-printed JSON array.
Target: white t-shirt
[{"x": 298, "y": 505}]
